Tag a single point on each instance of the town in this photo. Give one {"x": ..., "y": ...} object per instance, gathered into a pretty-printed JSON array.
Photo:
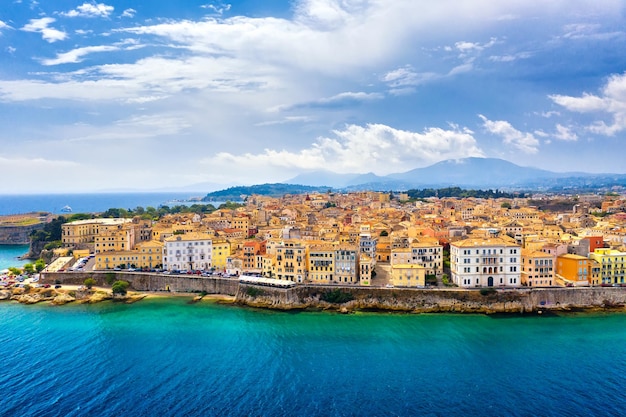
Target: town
[{"x": 377, "y": 239}]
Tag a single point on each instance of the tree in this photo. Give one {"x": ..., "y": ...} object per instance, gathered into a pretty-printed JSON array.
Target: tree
[
  {"x": 40, "y": 264},
  {"x": 505, "y": 205},
  {"x": 29, "y": 268},
  {"x": 120, "y": 287},
  {"x": 384, "y": 233},
  {"x": 14, "y": 271},
  {"x": 89, "y": 282}
]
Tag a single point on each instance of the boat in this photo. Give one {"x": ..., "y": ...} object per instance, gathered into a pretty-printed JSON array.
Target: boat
[{"x": 66, "y": 209}]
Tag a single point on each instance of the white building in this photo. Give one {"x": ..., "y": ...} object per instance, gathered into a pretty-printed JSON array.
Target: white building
[
  {"x": 490, "y": 262},
  {"x": 189, "y": 251}
]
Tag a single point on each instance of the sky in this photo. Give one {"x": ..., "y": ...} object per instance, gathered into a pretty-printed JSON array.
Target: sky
[{"x": 147, "y": 95}]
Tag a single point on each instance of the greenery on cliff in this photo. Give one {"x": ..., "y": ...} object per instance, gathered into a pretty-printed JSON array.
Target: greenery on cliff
[
  {"x": 272, "y": 190},
  {"x": 50, "y": 236},
  {"x": 461, "y": 193}
]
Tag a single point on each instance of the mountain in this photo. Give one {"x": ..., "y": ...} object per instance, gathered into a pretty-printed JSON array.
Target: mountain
[
  {"x": 466, "y": 172},
  {"x": 332, "y": 179},
  {"x": 474, "y": 172}
]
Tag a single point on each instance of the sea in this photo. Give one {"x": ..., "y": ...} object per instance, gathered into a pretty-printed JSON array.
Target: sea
[
  {"x": 90, "y": 203},
  {"x": 168, "y": 357}
]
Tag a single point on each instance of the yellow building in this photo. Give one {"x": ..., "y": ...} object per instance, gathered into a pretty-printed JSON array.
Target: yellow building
[
  {"x": 408, "y": 275},
  {"x": 115, "y": 239},
  {"x": 321, "y": 264},
  {"x": 240, "y": 222},
  {"x": 366, "y": 266},
  {"x": 426, "y": 252},
  {"x": 221, "y": 252},
  {"x": 291, "y": 261},
  {"x": 151, "y": 254},
  {"x": 537, "y": 269},
  {"x": 85, "y": 231},
  {"x": 612, "y": 265},
  {"x": 115, "y": 259}
]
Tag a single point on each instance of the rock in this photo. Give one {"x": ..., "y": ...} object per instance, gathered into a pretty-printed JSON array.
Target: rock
[
  {"x": 29, "y": 298},
  {"x": 5, "y": 295},
  {"x": 63, "y": 298}
]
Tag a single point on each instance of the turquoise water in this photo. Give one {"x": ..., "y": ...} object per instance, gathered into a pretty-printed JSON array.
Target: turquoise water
[
  {"x": 167, "y": 357},
  {"x": 9, "y": 255}
]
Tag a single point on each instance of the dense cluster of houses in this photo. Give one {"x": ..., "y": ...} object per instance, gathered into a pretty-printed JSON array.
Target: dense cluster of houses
[{"x": 352, "y": 238}]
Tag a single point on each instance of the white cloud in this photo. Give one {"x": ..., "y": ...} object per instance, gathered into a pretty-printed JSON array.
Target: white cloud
[
  {"x": 217, "y": 9},
  {"x": 611, "y": 101},
  {"x": 286, "y": 120},
  {"x": 47, "y": 33},
  {"x": 466, "y": 47},
  {"x": 525, "y": 142},
  {"x": 76, "y": 55},
  {"x": 338, "y": 100},
  {"x": 129, "y": 13},
  {"x": 406, "y": 76},
  {"x": 510, "y": 58},
  {"x": 589, "y": 31},
  {"x": 373, "y": 147},
  {"x": 132, "y": 128},
  {"x": 4, "y": 25},
  {"x": 90, "y": 10},
  {"x": 565, "y": 133}
]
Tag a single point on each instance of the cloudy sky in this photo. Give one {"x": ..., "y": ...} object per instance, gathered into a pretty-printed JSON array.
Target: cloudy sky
[{"x": 153, "y": 94}]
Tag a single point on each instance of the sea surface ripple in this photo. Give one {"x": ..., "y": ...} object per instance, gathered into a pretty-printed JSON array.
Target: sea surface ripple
[{"x": 168, "y": 357}]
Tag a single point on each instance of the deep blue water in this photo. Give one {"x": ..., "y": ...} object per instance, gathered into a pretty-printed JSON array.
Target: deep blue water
[
  {"x": 166, "y": 357},
  {"x": 86, "y": 203}
]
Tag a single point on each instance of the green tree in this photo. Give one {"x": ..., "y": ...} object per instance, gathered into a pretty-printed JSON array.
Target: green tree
[
  {"x": 79, "y": 216},
  {"x": 89, "y": 282},
  {"x": 505, "y": 205},
  {"x": 120, "y": 287},
  {"x": 40, "y": 264},
  {"x": 14, "y": 271},
  {"x": 384, "y": 233},
  {"x": 29, "y": 268}
]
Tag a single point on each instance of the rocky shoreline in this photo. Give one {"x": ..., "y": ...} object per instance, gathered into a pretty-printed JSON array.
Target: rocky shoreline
[
  {"x": 311, "y": 298},
  {"x": 60, "y": 296}
]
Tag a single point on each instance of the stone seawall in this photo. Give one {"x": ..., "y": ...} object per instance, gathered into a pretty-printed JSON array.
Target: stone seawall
[
  {"x": 439, "y": 300},
  {"x": 150, "y": 282},
  {"x": 365, "y": 298}
]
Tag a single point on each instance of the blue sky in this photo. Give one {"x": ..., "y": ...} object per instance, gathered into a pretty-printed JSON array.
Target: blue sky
[{"x": 145, "y": 94}]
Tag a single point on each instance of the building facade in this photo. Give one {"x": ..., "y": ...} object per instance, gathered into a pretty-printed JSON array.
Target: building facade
[
  {"x": 188, "y": 252},
  {"x": 491, "y": 262}
]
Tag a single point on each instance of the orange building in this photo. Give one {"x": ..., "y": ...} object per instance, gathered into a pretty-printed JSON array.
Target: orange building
[{"x": 573, "y": 270}]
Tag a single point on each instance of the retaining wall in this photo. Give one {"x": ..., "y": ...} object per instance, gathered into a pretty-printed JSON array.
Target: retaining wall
[{"x": 367, "y": 298}]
